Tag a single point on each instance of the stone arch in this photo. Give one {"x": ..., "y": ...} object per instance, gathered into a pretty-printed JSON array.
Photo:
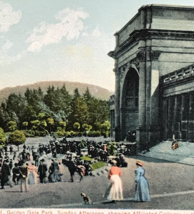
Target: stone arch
[{"x": 129, "y": 101}]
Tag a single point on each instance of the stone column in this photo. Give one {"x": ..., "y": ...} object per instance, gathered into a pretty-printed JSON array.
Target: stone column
[
  {"x": 181, "y": 116},
  {"x": 152, "y": 97},
  {"x": 117, "y": 105},
  {"x": 122, "y": 123},
  {"x": 189, "y": 138},
  {"x": 141, "y": 131},
  {"x": 174, "y": 129}
]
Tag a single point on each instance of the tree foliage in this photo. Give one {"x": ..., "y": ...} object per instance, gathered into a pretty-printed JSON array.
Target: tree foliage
[
  {"x": 2, "y": 137},
  {"x": 17, "y": 137},
  {"x": 40, "y": 111}
]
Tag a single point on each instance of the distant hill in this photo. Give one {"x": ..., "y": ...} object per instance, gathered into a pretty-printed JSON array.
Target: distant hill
[{"x": 95, "y": 91}]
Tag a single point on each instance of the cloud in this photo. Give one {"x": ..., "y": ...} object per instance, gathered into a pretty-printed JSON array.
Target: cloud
[
  {"x": 8, "y": 17},
  {"x": 6, "y": 46},
  {"x": 69, "y": 25}
]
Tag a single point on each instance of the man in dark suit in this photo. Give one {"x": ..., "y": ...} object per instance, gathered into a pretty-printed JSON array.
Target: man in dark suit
[
  {"x": 72, "y": 168},
  {"x": 42, "y": 169},
  {"x": 16, "y": 174},
  {"x": 5, "y": 174},
  {"x": 55, "y": 170}
]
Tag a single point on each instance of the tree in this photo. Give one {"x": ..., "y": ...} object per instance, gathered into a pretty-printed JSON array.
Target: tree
[
  {"x": 87, "y": 128},
  {"x": 43, "y": 125},
  {"x": 25, "y": 124},
  {"x": 76, "y": 126},
  {"x": 87, "y": 96},
  {"x": 50, "y": 123},
  {"x": 2, "y": 137},
  {"x": 62, "y": 124},
  {"x": 35, "y": 124},
  {"x": 17, "y": 137},
  {"x": 15, "y": 105},
  {"x": 12, "y": 125},
  {"x": 79, "y": 111},
  {"x": 76, "y": 94},
  {"x": 105, "y": 128}
]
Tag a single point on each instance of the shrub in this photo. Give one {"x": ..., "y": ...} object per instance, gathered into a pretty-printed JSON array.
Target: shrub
[
  {"x": 29, "y": 133},
  {"x": 43, "y": 133},
  {"x": 76, "y": 126},
  {"x": 72, "y": 133},
  {"x": 2, "y": 137},
  {"x": 37, "y": 133},
  {"x": 94, "y": 134},
  {"x": 61, "y": 133},
  {"x": 67, "y": 134},
  {"x": 12, "y": 125},
  {"x": 17, "y": 137}
]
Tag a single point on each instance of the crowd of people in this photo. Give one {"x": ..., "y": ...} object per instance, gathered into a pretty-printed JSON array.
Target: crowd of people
[{"x": 31, "y": 165}]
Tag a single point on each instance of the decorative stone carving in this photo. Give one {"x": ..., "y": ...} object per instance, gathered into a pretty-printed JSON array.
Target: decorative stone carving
[
  {"x": 135, "y": 62},
  {"x": 141, "y": 56},
  {"x": 154, "y": 55},
  {"x": 122, "y": 71}
]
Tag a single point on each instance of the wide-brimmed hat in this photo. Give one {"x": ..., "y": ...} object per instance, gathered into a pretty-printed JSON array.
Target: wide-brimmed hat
[{"x": 138, "y": 162}]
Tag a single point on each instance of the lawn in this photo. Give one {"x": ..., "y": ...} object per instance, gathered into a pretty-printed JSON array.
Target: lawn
[
  {"x": 86, "y": 158},
  {"x": 98, "y": 165},
  {"x": 94, "y": 165}
]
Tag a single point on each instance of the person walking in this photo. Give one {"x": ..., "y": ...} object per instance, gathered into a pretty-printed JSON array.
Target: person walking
[
  {"x": 5, "y": 174},
  {"x": 16, "y": 174},
  {"x": 42, "y": 170},
  {"x": 32, "y": 175},
  {"x": 142, "y": 186},
  {"x": 72, "y": 169},
  {"x": 14, "y": 155},
  {"x": 10, "y": 164},
  {"x": 55, "y": 170},
  {"x": 11, "y": 149},
  {"x": 115, "y": 189},
  {"x": 23, "y": 169}
]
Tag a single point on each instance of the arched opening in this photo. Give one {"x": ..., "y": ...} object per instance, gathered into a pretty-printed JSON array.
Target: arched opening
[{"x": 130, "y": 102}]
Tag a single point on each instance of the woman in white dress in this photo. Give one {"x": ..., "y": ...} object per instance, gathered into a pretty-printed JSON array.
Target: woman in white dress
[{"x": 115, "y": 188}]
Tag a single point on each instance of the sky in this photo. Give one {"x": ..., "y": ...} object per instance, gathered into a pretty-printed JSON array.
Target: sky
[{"x": 63, "y": 40}]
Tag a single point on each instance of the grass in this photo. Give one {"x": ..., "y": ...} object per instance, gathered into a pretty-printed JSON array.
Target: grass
[
  {"x": 94, "y": 165},
  {"x": 86, "y": 158},
  {"x": 98, "y": 165}
]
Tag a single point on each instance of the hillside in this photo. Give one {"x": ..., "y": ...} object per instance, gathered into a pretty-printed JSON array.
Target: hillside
[{"x": 95, "y": 91}]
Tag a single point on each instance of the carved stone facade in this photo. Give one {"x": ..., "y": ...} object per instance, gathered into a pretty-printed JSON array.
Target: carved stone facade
[{"x": 155, "y": 42}]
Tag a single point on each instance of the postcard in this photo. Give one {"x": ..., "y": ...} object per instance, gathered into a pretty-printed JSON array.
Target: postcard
[{"x": 96, "y": 107}]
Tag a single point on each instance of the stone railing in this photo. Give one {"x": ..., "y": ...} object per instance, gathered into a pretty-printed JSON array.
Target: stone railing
[{"x": 178, "y": 75}]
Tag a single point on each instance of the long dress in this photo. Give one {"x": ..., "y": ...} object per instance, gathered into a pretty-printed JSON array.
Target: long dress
[
  {"x": 142, "y": 186},
  {"x": 32, "y": 175},
  {"x": 115, "y": 188}
]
